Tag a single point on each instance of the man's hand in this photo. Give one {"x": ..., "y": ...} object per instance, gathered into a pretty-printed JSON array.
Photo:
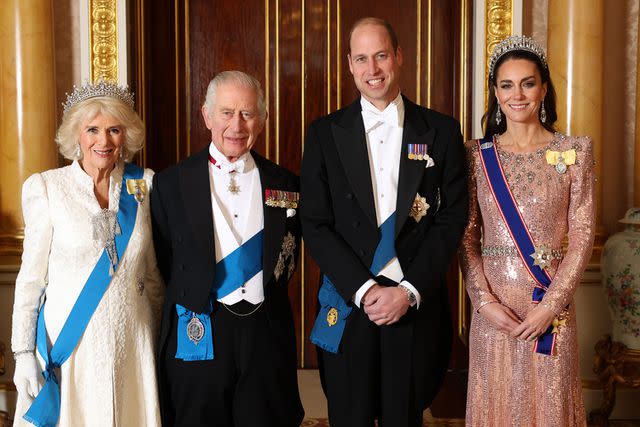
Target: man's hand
[
  {"x": 502, "y": 317},
  {"x": 385, "y": 305},
  {"x": 535, "y": 324}
]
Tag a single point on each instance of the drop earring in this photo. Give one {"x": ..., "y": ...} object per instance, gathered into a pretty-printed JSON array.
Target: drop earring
[
  {"x": 78, "y": 152},
  {"x": 543, "y": 113},
  {"x": 498, "y": 115}
]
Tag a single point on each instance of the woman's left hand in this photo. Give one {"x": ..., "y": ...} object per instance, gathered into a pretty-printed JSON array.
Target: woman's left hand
[{"x": 535, "y": 324}]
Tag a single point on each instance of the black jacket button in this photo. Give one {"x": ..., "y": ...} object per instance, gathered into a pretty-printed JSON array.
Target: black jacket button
[{"x": 349, "y": 196}]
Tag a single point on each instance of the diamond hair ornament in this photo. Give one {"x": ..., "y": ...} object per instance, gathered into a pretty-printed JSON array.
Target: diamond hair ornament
[
  {"x": 95, "y": 90},
  {"x": 513, "y": 43}
]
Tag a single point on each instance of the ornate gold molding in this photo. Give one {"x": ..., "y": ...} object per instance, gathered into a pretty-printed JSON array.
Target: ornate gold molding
[
  {"x": 103, "y": 37},
  {"x": 498, "y": 25},
  {"x": 11, "y": 245}
]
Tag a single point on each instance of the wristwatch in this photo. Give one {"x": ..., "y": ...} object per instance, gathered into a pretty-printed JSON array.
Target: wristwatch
[{"x": 410, "y": 296}]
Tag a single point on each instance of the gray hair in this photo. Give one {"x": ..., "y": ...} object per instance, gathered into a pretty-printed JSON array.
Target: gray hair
[
  {"x": 241, "y": 78},
  {"x": 68, "y": 135}
]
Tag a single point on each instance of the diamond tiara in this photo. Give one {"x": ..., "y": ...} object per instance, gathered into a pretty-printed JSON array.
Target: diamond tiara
[
  {"x": 513, "y": 43},
  {"x": 94, "y": 90}
]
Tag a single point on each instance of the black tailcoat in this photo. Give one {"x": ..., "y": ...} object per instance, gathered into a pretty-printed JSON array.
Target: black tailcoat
[
  {"x": 184, "y": 242},
  {"x": 340, "y": 229}
]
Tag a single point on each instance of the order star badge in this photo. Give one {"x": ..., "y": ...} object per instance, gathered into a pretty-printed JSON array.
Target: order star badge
[
  {"x": 419, "y": 208},
  {"x": 542, "y": 257}
]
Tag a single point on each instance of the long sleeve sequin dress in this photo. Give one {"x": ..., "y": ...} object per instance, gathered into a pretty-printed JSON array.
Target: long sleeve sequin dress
[{"x": 509, "y": 384}]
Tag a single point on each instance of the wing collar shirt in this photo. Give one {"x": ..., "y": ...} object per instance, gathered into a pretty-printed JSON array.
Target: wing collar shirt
[
  {"x": 383, "y": 131},
  {"x": 236, "y": 216}
]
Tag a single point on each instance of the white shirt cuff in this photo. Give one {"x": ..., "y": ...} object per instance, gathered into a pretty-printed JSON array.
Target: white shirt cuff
[
  {"x": 362, "y": 290},
  {"x": 413, "y": 290}
]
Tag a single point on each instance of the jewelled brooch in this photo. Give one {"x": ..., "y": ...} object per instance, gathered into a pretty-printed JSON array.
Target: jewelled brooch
[
  {"x": 137, "y": 188},
  {"x": 561, "y": 159}
]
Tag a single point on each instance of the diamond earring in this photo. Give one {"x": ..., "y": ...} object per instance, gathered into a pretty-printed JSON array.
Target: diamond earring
[
  {"x": 543, "y": 113},
  {"x": 498, "y": 115},
  {"x": 78, "y": 152}
]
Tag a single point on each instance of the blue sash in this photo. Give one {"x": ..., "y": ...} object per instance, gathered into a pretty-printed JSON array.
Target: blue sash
[
  {"x": 45, "y": 409},
  {"x": 331, "y": 320},
  {"x": 518, "y": 230},
  {"x": 232, "y": 272}
]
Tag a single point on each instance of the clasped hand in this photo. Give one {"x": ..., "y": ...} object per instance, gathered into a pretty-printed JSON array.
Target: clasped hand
[
  {"x": 385, "y": 305},
  {"x": 534, "y": 325}
]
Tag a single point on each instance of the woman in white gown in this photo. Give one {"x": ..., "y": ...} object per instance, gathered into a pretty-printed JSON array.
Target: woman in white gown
[{"x": 76, "y": 226}]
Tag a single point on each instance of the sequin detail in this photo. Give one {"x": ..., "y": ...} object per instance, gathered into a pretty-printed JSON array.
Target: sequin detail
[{"x": 509, "y": 385}]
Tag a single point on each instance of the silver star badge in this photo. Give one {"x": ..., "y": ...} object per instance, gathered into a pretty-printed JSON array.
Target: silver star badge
[{"x": 542, "y": 257}]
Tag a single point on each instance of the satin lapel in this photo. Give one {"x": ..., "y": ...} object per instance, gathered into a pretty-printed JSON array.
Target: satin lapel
[
  {"x": 415, "y": 131},
  {"x": 351, "y": 144},
  {"x": 196, "y": 194},
  {"x": 274, "y": 219}
]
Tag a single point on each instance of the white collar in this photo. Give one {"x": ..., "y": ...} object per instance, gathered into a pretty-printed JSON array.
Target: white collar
[
  {"x": 392, "y": 115},
  {"x": 243, "y": 164}
]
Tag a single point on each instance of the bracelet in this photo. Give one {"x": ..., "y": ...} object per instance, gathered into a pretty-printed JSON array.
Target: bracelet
[
  {"x": 17, "y": 354},
  {"x": 483, "y": 303}
]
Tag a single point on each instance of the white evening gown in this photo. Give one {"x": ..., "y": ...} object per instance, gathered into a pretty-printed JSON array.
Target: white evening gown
[{"x": 110, "y": 379}]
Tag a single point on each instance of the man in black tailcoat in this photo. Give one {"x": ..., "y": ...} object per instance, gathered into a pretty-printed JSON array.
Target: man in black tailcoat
[
  {"x": 226, "y": 235},
  {"x": 384, "y": 205}
]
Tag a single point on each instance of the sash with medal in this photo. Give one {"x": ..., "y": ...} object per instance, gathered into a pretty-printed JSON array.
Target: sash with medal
[
  {"x": 519, "y": 233},
  {"x": 45, "y": 409},
  {"x": 329, "y": 325},
  {"x": 195, "y": 334}
]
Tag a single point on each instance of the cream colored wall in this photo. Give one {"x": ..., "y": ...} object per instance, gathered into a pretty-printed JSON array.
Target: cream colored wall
[
  {"x": 618, "y": 128},
  {"x": 67, "y": 71}
]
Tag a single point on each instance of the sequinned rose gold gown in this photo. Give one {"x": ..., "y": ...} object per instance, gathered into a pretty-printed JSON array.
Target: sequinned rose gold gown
[{"x": 509, "y": 384}]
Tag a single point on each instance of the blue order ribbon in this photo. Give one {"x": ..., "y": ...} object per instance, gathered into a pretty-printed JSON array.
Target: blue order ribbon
[
  {"x": 328, "y": 336},
  {"x": 45, "y": 409},
  {"x": 518, "y": 230},
  {"x": 232, "y": 272}
]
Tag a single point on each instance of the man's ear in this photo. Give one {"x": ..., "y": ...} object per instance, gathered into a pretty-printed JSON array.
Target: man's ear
[{"x": 205, "y": 116}]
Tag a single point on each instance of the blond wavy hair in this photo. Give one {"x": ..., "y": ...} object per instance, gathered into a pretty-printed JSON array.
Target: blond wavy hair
[{"x": 68, "y": 135}]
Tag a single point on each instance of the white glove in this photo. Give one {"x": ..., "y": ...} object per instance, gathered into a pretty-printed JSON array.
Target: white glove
[{"x": 26, "y": 375}]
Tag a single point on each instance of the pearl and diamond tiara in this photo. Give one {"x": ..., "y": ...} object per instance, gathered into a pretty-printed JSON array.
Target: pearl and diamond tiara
[
  {"x": 513, "y": 43},
  {"x": 94, "y": 90}
]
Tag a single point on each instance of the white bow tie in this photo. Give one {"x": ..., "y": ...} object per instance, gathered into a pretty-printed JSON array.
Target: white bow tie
[
  {"x": 228, "y": 167},
  {"x": 237, "y": 166},
  {"x": 373, "y": 118}
]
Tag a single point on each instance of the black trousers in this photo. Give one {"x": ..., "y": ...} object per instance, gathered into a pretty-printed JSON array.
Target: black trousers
[
  {"x": 252, "y": 381},
  {"x": 371, "y": 377}
]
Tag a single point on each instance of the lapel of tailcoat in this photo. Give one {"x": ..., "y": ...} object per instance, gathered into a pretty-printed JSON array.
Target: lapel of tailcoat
[
  {"x": 196, "y": 191},
  {"x": 274, "y": 218},
  {"x": 415, "y": 131},
  {"x": 351, "y": 143}
]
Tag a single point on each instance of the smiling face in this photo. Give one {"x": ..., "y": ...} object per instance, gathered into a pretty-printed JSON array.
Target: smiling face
[
  {"x": 374, "y": 64},
  {"x": 101, "y": 140},
  {"x": 233, "y": 119},
  {"x": 520, "y": 91}
]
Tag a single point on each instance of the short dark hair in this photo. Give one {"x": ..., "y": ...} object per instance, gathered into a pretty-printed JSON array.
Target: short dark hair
[
  {"x": 375, "y": 21},
  {"x": 489, "y": 118}
]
